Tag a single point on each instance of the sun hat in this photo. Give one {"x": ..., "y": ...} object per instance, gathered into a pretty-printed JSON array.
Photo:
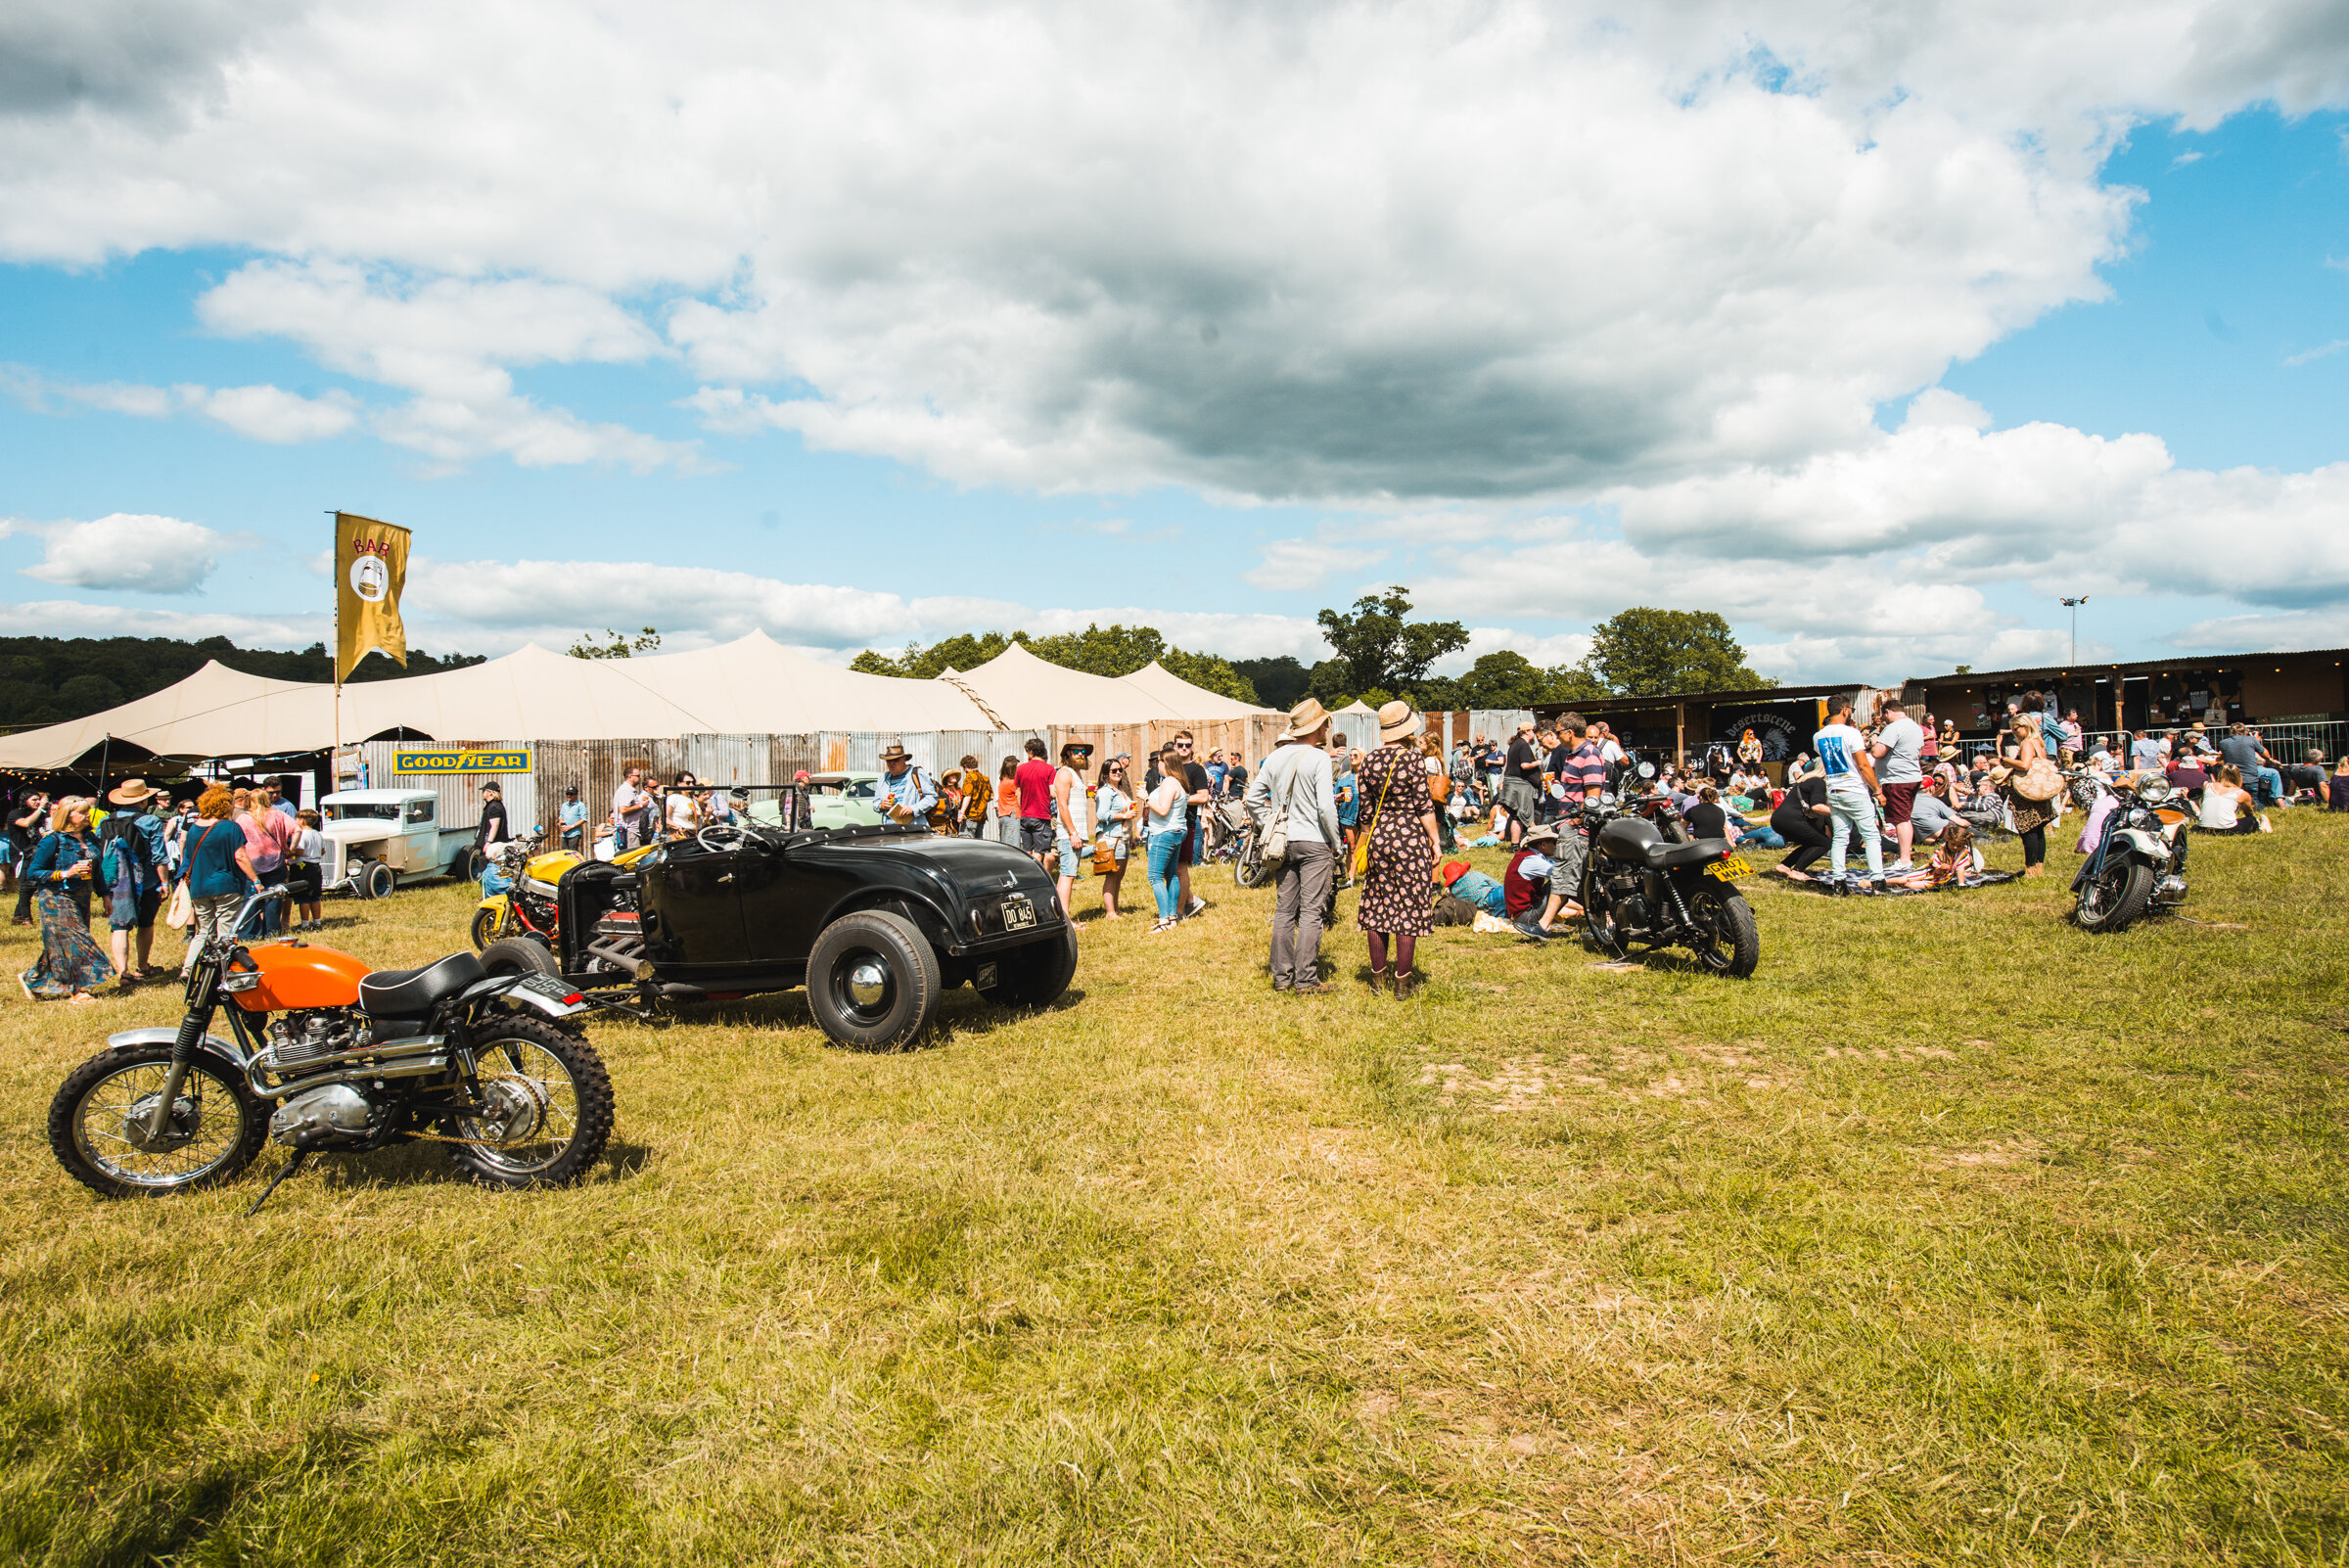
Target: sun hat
[
  {"x": 1537, "y": 834},
  {"x": 894, "y": 750},
  {"x": 1452, "y": 871},
  {"x": 130, "y": 792},
  {"x": 1525, "y": 726},
  {"x": 1306, "y": 717},
  {"x": 1399, "y": 721}
]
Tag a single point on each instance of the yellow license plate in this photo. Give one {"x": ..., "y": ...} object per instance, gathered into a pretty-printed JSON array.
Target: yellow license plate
[{"x": 1730, "y": 867}]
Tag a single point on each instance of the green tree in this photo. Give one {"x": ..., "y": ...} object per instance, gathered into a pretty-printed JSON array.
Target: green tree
[
  {"x": 1381, "y": 649},
  {"x": 1509, "y": 679},
  {"x": 615, "y": 645},
  {"x": 1115, "y": 650},
  {"x": 1280, "y": 683},
  {"x": 1644, "y": 652}
]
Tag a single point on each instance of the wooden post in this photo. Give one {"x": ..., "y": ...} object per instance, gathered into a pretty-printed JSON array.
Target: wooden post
[{"x": 1680, "y": 731}]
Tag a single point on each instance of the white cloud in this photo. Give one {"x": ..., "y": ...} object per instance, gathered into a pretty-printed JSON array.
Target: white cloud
[
  {"x": 262, "y": 413},
  {"x": 74, "y": 618},
  {"x": 132, "y": 552},
  {"x": 1449, "y": 247},
  {"x": 1302, "y": 565}
]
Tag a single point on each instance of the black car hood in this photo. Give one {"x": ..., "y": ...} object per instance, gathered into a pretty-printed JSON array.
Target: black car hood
[{"x": 975, "y": 866}]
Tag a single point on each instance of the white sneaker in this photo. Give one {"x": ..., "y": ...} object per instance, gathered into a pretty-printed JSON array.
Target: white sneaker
[
  {"x": 1198, "y": 907},
  {"x": 1897, "y": 867}
]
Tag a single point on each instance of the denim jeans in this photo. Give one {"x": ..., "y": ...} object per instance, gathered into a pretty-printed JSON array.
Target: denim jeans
[
  {"x": 2270, "y": 786},
  {"x": 1166, "y": 885},
  {"x": 1761, "y": 838},
  {"x": 1855, "y": 815}
]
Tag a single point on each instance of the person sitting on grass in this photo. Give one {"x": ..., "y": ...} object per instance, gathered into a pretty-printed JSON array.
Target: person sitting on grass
[
  {"x": 1801, "y": 820},
  {"x": 2227, "y": 806},
  {"x": 1953, "y": 860},
  {"x": 1525, "y": 884},
  {"x": 2336, "y": 788},
  {"x": 1472, "y": 886}
]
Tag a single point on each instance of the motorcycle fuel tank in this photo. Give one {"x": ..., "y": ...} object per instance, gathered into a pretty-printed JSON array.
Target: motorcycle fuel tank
[{"x": 302, "y": 977}]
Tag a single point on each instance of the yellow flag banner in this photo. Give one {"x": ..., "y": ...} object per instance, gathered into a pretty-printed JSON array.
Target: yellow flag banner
[{"x": 371, "y": 568}]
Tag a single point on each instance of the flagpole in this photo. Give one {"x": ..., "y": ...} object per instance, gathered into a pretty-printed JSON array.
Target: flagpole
[{"x": 334, "y": 656}]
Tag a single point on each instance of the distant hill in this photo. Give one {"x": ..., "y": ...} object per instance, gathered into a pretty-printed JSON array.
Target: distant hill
[{"x": 46, "y": 681}]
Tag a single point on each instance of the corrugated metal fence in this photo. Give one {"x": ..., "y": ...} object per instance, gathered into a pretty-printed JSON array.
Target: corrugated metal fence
[{"x": 595, "y": 767}]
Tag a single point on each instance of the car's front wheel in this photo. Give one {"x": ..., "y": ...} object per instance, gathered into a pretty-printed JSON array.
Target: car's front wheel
[
  {"x": 873, "y": 980},
  {"x": 1035, "y": 975}
]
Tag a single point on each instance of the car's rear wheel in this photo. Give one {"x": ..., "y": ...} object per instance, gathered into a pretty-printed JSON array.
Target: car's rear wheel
[
  {"x": 1035, "y": 975},
  {"x": 873, "y": 980}
]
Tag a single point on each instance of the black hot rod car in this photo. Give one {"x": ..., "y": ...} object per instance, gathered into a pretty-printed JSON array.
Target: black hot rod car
[{"x": 875, "y": 921}]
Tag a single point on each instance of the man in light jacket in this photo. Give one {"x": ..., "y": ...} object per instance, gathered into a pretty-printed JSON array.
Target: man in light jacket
[{"x": 1294, "y": 784}]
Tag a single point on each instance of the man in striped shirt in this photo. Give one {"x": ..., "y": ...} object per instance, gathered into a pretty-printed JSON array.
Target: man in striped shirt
[{"x": 1581, "y": 769}]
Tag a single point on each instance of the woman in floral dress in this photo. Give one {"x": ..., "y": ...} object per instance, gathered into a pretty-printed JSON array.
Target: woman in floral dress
[
  {"x": 1400, "y": 815},
  {"x": 60, "y": 874}
]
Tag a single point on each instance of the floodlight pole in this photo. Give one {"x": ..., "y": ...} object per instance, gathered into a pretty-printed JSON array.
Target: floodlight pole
[{"x": 2074, "y": 605}]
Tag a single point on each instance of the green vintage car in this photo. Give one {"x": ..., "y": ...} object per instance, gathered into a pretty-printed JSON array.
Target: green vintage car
[{"x": 834, "y": 801}]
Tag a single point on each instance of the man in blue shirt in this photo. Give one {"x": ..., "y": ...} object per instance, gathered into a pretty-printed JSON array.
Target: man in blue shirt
[
  {"x": 905, "y": 794},
  {"x": 571, "y": 820},
  {"x": 1476, "y": 888}
]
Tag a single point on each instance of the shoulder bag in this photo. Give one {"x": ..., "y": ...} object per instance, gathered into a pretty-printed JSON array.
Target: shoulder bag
[
  {"x": 183, "y": 903},
  {"x": 2041, "y": 782},
  {"x": 1361, "y": 846}
]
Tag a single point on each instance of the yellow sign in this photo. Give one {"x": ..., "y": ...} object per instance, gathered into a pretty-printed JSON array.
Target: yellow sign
[
  {"x": 518, "y": 762},
  {"x": 371, "y": 569}
]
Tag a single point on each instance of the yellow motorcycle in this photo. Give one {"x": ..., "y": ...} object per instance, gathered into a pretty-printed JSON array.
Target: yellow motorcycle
[{"x": 518, "y": 888}]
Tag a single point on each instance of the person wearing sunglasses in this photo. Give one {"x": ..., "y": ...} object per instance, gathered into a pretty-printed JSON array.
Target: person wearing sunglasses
[
  {"x": 1117, "y": 810},
  {"x": 1200, "y": 792}
]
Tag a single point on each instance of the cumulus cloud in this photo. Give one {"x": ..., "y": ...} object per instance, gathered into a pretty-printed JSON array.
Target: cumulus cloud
[
  {"x": 75, "y": 617},
  {"x": 262, "y": 413},
  {"x": 135, "y": 552},
  {"x": 1306, "y": 564},
  {"x": 1443, "y": 249}
]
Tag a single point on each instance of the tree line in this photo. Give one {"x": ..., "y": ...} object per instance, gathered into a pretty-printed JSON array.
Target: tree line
[
  {"x": 47, "y": 680},
  {"x": 1378, "y": 653}
]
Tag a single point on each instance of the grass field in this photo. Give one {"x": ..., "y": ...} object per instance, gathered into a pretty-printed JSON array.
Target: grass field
[{"x": 1955, "y": 1234}]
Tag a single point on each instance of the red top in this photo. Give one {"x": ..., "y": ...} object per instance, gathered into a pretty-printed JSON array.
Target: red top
[
  {"x": 1035, "y": 779},
  {"x": 1518, "y": 890}
]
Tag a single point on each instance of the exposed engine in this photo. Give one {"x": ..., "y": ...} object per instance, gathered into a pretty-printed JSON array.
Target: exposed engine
[
  {"x": 330, "y": 1116},
  {"x": 616, "y": 940},
  {"x": 1631, "y": 913},
  {"x": 298, "y": 1040}
]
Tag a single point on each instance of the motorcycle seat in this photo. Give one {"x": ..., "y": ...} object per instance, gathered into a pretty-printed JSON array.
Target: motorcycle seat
[
  {"x": 1663, "y": 857},
  {"x": 407, "y": 992}
]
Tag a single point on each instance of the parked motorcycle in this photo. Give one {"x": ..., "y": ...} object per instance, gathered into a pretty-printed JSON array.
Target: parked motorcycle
[
  {"x": 2138, "y": 865},
  {"x": 518, "y": 891},
  {"x": 351, "y": 1061},
  {"x": 1641, "y": 888}
]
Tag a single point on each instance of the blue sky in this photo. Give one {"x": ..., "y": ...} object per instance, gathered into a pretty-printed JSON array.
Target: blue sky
[{"x": 1194, "y": 372}]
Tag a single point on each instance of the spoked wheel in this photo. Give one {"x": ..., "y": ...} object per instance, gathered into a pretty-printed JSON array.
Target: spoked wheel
[
  {"x": 1727, "y": 940},
  {"x": 546, "y": 1107},
  {"x": 873, "y": 980},
  {"x": 1248, "y": 867},
  {"x": 99, "y": 1124},
  {"x": 2114, "y": 896}
]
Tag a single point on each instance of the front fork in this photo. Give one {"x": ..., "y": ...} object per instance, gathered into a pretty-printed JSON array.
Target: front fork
[{"x": 203, "y": 999}]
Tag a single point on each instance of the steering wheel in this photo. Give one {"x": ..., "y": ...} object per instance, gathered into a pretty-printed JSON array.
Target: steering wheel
[{"x": 720, "y": 837}]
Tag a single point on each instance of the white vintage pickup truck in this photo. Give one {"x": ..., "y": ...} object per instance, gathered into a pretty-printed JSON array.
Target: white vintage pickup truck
[{"x": 374, "y": 838}]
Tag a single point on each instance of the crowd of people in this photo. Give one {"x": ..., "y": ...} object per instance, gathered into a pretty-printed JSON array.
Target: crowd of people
[
  {"x": 138, "y": 857},
  {"x": 1902, "y": 797}
]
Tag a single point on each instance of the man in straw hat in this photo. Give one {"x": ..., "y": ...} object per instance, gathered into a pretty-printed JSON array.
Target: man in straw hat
[
  {"x": 1293, "y": 794},
  {"x": 1526, "y": 885},
  {"x": 905, "y": 794},
  {"x": 135, "y": 836}
]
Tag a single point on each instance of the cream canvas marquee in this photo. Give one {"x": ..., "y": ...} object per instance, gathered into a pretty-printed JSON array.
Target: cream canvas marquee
[{"x": 752, "y": 685}]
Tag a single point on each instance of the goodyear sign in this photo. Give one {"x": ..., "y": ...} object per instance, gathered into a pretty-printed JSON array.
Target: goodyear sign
[{"x": 516, "y": 762}]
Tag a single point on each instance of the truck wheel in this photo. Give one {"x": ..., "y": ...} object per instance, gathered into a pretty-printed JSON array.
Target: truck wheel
[
  {"x": 1033, "y": 976},
  {"x": 377, "y": 881},
  {"x": 471, "y": 863},
  {"x": 518, "y": 956},
  {"x": 872, "y": 981}
]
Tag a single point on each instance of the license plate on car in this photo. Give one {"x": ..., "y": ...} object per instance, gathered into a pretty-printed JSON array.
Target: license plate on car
[
  {"x": 1019, "y": 913},
  {"x": 1729, "y": 867}
]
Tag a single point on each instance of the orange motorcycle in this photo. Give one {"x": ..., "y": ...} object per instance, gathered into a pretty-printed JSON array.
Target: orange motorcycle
[{"x": 321, "y": 1053}]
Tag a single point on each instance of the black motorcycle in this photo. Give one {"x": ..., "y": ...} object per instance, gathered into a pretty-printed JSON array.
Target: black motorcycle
[
  {"x": 352, "y": 1060},
  {"x": 2138, "y": 866},
  {"x": 1642, "y": 888}
]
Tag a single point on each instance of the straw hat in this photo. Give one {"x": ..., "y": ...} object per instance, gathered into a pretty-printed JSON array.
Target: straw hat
[
  {"x": 894, "y": 750},
  {"x": 1539, "y": 835},
  {"x": 1306, "y": 717},
  {"x": 130, "y": 792},
  {"x": 1399, "y": 721}
]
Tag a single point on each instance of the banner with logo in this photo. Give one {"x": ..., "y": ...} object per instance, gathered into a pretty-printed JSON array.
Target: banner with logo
[{"x": 371, "y": 568}]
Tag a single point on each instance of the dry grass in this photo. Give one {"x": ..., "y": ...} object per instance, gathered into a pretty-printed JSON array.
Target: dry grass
[{"x": 1956, "y": 1233}]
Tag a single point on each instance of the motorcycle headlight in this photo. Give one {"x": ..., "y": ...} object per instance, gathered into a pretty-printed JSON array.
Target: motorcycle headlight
[{"x": 2153, "y": 790}]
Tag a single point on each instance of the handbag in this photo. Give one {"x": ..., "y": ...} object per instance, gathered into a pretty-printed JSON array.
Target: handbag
[
  {"x": 2042, "y": 781},
  {"x": 1105, "y": 858},
  {"x": 182, "y": 909},
  {"x": 1361, "y": 846}
]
